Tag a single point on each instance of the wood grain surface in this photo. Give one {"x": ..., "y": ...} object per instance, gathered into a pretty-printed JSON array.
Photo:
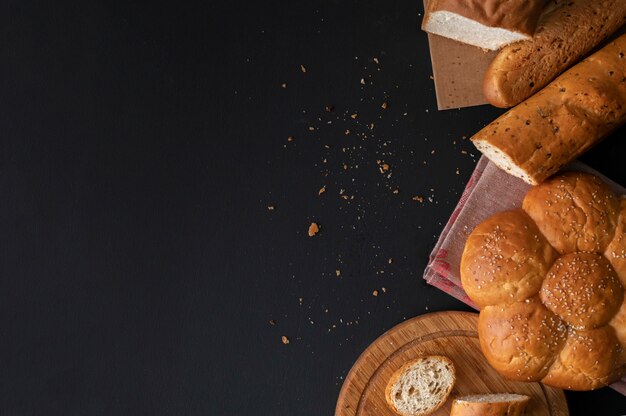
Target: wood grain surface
[{"x": 445, "y": 333}]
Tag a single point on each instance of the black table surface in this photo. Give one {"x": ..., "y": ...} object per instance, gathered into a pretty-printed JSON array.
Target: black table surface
[{"x": 143, "y": 148}]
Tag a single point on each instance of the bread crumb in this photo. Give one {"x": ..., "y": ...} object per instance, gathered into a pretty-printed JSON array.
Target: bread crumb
[
  {"x": 384, "y": 289},
  {"x": 270, "y": 207},
  {"x": 291, "y": 138},
  {"x": 338, "y": 272},
  {"x": 313, "y": 229},
  {"x": 396, "y": 191},
  {"x": 303, "y": 68},
  {"x": 362, "y": 81},
  {"x": 354, "y": 116},
  {"x": 375, "y": 61},
  {"x": 322, "y": 190},
  {"x": 375, "y": 293},
  {"x": 284, "y": 340},
  {"x": 390, "y": 260},
  {"x": 311, "y": 128},
  {"x": 329, "y": 108},
  {"x": 384, "y": 105},
  {"x": 284, "y": 85},
  {"x": 272, "y": 322},
  {"x": 418, "y": 198},
  {"x": 347, "y": 132}
]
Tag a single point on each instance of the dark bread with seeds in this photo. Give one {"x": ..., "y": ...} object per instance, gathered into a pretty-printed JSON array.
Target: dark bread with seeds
[
  {"x": 549, "y": 279},
  {"x": 535, "y": 139},
  {"x": 566, "y": 33}
]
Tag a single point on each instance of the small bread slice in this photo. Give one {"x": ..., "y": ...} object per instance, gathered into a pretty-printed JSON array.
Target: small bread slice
[
  {"x": 421, "y": 386},
  {"x": 504, "y": 404}
]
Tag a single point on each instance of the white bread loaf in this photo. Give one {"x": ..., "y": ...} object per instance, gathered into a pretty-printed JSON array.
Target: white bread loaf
[
  {"x": 488, "y": 24},
  {"x": 503, "y": 404},
  {"x": 566, "y": 33},
  {"x": 421, "y": 386},
  {"x": 577, "y": 110}
]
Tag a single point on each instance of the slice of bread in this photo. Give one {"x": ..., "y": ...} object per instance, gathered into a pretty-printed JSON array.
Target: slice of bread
[
  {"x": 421, "y": 386},
  {"x": 488, "y": 24},
  {"x": 504, "y": 404}
]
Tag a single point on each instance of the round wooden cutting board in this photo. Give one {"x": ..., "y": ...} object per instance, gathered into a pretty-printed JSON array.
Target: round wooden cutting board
[{"x": 452, "y": 334}]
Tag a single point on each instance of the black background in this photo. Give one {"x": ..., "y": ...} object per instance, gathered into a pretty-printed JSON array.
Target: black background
[{"x": 140, "y": 148}]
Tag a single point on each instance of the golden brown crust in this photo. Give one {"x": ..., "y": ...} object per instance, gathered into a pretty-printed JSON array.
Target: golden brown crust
[
  {"x": 505, "y": 259},
  {"x": 563, "y": 120},
  {"x": 587, "y": 361},
  {"x": 583, "y": 290},
  {"x": 520, "y": 340},
  {"x": 466, "y": 408},
  {"x": 564, "y": 35},
  {"x": 575, "y": 211},
  {"x": 572, "y": 334},
  {"x": 616, "y": 250},
  {"x": 515, "y": 15},
  {"x": 618, "y": 323}
]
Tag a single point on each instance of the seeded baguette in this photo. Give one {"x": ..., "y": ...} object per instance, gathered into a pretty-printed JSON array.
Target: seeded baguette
[
  {"x": 565, "y": 34},
  {"x": 574, "y": 112},
  {"x": 490, "y": 405}
]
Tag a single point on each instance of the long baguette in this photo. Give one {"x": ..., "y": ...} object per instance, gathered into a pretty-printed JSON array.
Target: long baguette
[
  {"x": 567, "y": 32},
  {"x": 577, "y": 110}
]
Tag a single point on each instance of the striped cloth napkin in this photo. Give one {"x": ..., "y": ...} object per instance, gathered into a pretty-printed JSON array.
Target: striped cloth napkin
[{"x": 489, "y": 190}]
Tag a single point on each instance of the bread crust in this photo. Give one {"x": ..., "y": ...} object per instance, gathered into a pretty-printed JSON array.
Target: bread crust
[
  {"x": 466, "y": 408},
  {"x": 566, "y": 33},
  {"x": 575, "y": 211},
  {"x": 583, "y": 290},
  {"x": 588, "y": 360},
  {"x": 519, "y": 257},
  {"x": 399, "y": 372},
  {"x": 520, "y": 340},
  {"x": 571, "y": 335},
  {"x": 519, "y": 16},
  {"x": 559, "y": 123}
]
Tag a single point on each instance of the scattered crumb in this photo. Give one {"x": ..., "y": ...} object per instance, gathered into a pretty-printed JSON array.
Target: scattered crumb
[
  {"x": 272, "y": 322},
  {"x": 384, "y": 289},
  {"x": 283, "y": 85},
  {"x": 390, "y": 260},
  {"x": 329, "y": 108},
  {"x": 384, "y": 105},
  {"x": 302, "y": 68},
  {"x": 313, "y": 229},
  {"x": 347, "y": 132},
  {"x": 375, "y": 61},
  {"x": 270, "y": 207},
  {"x": 431, "y": 77},
  {"x": 396, "y": 191},
  {"x": 311, "y": 128},
  {"x": 291, "y": 139},
  {"x": 354, "y": 116},
  {"x": 322, "y": 190},
  {"x": 418, "y": 198},
  {"x": 338, "y": 272},
  {"x": 375, "y": 293},
  {"x": 284, "y": 340},
  {"x": 362, "y": 81}
]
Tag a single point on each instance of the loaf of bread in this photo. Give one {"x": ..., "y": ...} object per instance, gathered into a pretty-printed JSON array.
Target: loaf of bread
[
  {"x": 421, "y": 386},
  {"x": 535, "y": 139},
  {"x": 503, "y": 404},
  {"x": 488, "y": 24},
  {"x": 549, "y": 279},
  {"x": 566, "y": 33}
]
